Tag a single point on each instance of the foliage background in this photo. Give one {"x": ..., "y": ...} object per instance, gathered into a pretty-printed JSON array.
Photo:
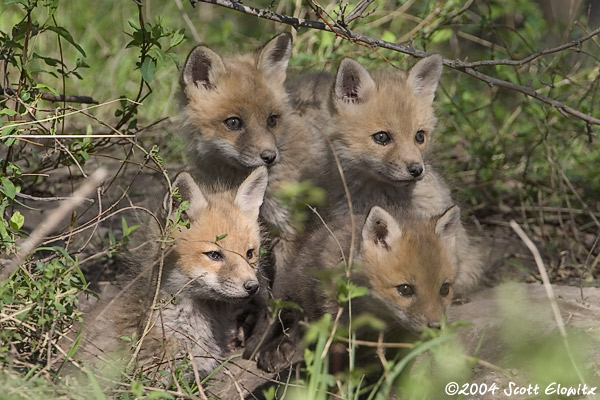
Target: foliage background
[{"x": 506, "y": 155}]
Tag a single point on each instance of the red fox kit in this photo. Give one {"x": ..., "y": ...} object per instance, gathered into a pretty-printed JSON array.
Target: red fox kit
[
  {"x": 381, "y": 126},
  {"x": 238, "y": 117},
  {"x": 407, "y": 261},
  {"x": 209, "y": 269}
]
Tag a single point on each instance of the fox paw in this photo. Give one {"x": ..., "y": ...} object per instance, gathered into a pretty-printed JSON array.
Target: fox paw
[{"x": 276, "y": 355}]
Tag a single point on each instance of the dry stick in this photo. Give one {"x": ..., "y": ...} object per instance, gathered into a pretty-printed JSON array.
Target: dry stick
[
  {"x": 53, "y": 97},
  {"x": 43, "y": 199},
  {"x": 463, "y": 66},
  {"x": 197, "y": 378},
  {"x": 54, "y": 219},
  {"x": 549, "y": 292},
  {"x": 339, "y": 245},
  {"x": 235, "y": 383}
]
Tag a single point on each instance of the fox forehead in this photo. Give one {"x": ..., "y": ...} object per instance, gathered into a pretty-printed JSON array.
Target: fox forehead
[
  {"x": 392, "y": 107},
  {"x": 418, "y": 258},
  {"x": 241, "y": 89},
  {"x": 235, "y": 230}
]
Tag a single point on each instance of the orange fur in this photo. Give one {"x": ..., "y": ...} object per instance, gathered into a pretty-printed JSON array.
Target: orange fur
[{"x": 421, "y": 259}]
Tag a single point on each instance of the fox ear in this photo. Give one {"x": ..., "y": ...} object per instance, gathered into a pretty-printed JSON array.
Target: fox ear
[
  {"x": 447, "y": 225},
  {"x": 274, "y": 56},
  {"x": 251, "y": 192},
  {"x": 353, "y": 84},
  {"x": 380, "y": 229},
  {"x": 201, "y": 67},
  {"x": 189, "y": 191},
  {"x": 424, "y": 76}
]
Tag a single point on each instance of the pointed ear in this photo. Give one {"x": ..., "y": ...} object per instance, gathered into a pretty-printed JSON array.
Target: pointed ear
[
  {"x": 273, "y": 57},
  {"x": 353, "y": 84},
  {"x": 424, "y": 76},
  {"x": 251, "y": 192},
  {"x": 380, "y": 229},
  {"x": 447, "y": 225},
  {"x": 189, "y": 191},
  {"x": 201, "y": 68}
]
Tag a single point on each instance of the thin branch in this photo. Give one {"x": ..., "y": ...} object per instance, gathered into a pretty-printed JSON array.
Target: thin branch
[
  {"x": 34, "y": 198},
  {"x": 358, "y": 12},
  {"x": 52, "y": 97},
  {"x": 463, "y": 66}
]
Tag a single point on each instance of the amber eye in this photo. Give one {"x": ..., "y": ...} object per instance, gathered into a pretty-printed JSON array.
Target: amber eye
[
  {"x": 233, "y": 123},
  {"x": 250, "y": 254},
  {"x": 405, "y": 290},
  {"x": 272, "y": 121},
  {"x": 214, "y": 255},
  {"x": 420, "y": 136},
  {"x": 445, "y": 289},
  {"x": 381, "y": 138}
]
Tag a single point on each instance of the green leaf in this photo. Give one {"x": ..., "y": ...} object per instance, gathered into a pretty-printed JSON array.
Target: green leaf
[
  {"x": 17, "y": 220},
  {"x": 41, "y": 86},
  {"x": 137, "y": 388},
  {"x": 8, "y": 188},
  {"x": 177, "y": 38},
  {"x": 155, "y": 394},
  {"x": 127, "y": 230},
  {"x": 221, "y": 237},
  {"x": 441, "y": 35},
  {"x": 148, "y": 69},
  {"x": 8, "y": 111},
  {"x": 59, "y": 30},
  {"x": 388, "y": 37},
  {"x": 350, "y": 291}
]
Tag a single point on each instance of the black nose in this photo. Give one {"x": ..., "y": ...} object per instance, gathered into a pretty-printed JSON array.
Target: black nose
[
  {"x": 415, "y": 169},
  {"x": 251, "y": 287},
  {"x": 268, "y": 156},
  {"x": 434, "y": 324}
]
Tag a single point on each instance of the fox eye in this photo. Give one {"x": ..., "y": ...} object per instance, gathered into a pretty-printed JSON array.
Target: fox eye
[
  {"x": 250, "y": 254},
  {"x": 272, "y": 120},
  {"x": 233, "y": 123},
  {"x": 445, "y": 289},
  {"x": 381, "y": 138},
  {"x": 405, "y": 290},
  {"x": 420, "y": 136},
  {"x": 214, "y": 255}
]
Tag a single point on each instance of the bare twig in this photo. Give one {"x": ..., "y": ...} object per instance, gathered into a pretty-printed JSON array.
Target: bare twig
[
  {"x": 54, "y": 219},
  {"x": 45, "y": 199},
  {"x": 52, "y": 97},
  {"x": 358, "y": 11},
  {"x": 463, "y": 66},
  {"x": 197, "y": 378}
]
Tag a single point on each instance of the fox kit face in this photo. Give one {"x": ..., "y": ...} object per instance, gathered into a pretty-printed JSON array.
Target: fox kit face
[
  {"x": 221, "y": 269},
  {"x": 411, "y": 268},
  {"x": 383, "y": 125},
  {"x": 237, "y": 105}
]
